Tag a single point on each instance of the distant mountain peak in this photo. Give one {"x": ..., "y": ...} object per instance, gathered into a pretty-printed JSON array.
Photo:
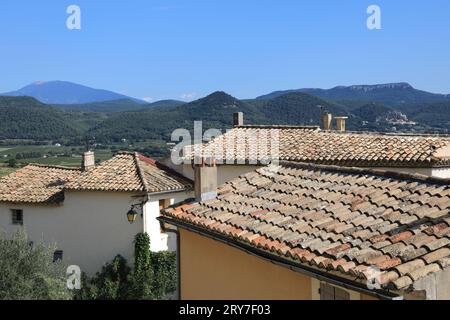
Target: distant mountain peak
[
  {"x": 65, "y": 92},
  {"x": 38, "y": 83}
]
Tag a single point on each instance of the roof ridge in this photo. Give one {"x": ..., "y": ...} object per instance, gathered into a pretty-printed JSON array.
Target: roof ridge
[
  {"x": 390, "y": 134},
  {"x": 139, "y": 170},
  {"x": 371, "y": 133},
  {"x": 52, "y": 166},
  {"x": 125, "y": 152},
  {"x": 276, "y": 126},
  {"x": 159, "y": 165},
  {"x": 375, "y": 172}
]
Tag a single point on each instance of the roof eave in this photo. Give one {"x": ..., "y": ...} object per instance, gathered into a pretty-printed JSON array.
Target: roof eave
[{"x": 276, "y": 259}]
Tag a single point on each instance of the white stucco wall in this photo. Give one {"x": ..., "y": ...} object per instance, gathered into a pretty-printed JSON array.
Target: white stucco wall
[
  {"x": 161, "y": 241},
  {"x": 91, "y": 227},
  {"x": 430, "y": 172},
  {"x": 225, "y": 173},
  {"x": 441, "y": 173}
]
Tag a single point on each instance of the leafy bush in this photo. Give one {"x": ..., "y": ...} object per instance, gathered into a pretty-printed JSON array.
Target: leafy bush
[
  {"x": 111, "y": 283},
  {"x": 164, "y": 273},
  {"x": 27, "y": 271}
]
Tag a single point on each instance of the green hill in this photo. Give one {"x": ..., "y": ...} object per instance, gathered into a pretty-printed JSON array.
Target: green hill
[
  {"x": 215, "y": 110},
  {"x": 295, "y": 109},
  {"x": 27, "y": 118}
]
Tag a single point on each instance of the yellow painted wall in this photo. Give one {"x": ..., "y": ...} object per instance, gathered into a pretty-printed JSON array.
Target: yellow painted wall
[{"x": 213, "y": 270}]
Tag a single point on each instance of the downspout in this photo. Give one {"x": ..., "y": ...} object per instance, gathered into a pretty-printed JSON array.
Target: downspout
[{"x": 177, "y": 234}]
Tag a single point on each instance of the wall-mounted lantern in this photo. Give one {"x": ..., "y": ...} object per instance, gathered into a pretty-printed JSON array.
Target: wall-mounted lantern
[{"x": 132, "y": 215}]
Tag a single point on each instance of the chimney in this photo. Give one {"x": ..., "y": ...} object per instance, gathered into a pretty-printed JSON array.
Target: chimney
[
  {"x": 340, "y": 123},
  {"x": 88, "y": 161},
  {"x": 238, "y": 119},
  {"x": 326, "y": 120},
  {"x": 205, "y": 173}
]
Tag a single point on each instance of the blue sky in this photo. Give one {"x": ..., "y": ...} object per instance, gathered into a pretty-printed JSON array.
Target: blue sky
[{"x": 187, "y": 49}]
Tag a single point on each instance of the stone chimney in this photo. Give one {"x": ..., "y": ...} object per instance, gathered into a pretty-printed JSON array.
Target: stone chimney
[
  {"x": 205, "y": 174},
  {"x": 326, "y": 120},
  {"x": 88, "y": 161},
  {"x": 340, "y": 123},
  {"x": 238, "y": 119}
]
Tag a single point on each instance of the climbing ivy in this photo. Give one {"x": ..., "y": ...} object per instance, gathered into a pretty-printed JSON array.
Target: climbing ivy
[
  {"x": 154, "y": 276},
  {"x": 142, "y": 279}
]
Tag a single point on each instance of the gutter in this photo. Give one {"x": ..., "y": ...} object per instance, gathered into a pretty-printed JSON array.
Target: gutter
[
  {"x": 311, "y": 272},
  {"x": 157, "y": 193}
]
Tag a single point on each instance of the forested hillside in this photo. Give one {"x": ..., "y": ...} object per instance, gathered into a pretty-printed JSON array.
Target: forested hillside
[
  {"x": 27, "y": 118},
  {"x": 112, "y": 122}
]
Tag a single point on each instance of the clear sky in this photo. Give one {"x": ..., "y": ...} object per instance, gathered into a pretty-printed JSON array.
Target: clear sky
[{"x": 187, "y": 49}]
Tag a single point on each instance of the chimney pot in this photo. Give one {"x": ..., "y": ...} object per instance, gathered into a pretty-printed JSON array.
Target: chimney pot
[
  {"x": 205, "y": 172},
  {"x": 326, "y": 120},
  {"x": 238, "y": 119},
  {"x": 88, "y": 161},
  {"x": 340, "y": 123}
]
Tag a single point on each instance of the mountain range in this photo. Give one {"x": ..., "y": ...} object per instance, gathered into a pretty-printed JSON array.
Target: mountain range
[
  {"x": 392, "y": 94},
  {"x": 408, "y": 110}
]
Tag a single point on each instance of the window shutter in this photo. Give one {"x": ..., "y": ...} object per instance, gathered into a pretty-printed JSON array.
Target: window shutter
[{"x": 326, "y": 292}]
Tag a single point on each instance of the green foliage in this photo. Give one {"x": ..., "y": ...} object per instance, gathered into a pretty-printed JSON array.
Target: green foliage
[
  {"x": 27, "y": 271},
  {"x": 164, "y": 273},
  {"x": 142, "y": 279},
  {"x": 153, "y": 277},
  {"x": 12, "y": 163},
  {"x": 27, "y": 118},
  {"x": 111, "y": 283}
]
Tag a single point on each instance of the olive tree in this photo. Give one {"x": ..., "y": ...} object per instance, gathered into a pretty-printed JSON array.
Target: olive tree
[{"x": 27, "y": 270}]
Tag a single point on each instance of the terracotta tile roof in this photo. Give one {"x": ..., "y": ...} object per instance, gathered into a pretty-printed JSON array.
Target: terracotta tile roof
[
  {"x": 125, "y": 172},
  {"x": 248, "y": 144},
  {"x": 130, "y": 172},
  {"x": 36, "y": 184},
  {"x": 338, "y": 220}
]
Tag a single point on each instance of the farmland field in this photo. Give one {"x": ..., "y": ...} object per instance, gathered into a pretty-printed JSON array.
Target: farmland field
[
  {"x": 71, "y": 155},
  {"x": 51, "y": 155}
]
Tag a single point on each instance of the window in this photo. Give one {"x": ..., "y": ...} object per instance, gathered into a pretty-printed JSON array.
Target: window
[
  {"x": 58, "y": 255},
  {"x": 17, "y": 217},
  {"x": 328, "y": 292}
]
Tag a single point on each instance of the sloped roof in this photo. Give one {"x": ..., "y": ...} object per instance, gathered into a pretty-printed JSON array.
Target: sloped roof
[
  {"x": 250, "y": 144},
  {"x": 130, "y": 172},
  {"x": 36, "y": 184},
  {"x": 125, "y": 172},
  {"x": 338, "y": 220}
]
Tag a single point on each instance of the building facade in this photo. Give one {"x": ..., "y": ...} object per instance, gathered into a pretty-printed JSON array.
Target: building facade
[{"x": 84, "y": 211}]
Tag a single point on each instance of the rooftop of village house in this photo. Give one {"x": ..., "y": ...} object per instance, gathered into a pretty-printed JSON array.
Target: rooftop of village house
[
  {"x": 340, "y": 221},
  {"x": 125, "y": 172},
  {"x": 253, "y": 144}
]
